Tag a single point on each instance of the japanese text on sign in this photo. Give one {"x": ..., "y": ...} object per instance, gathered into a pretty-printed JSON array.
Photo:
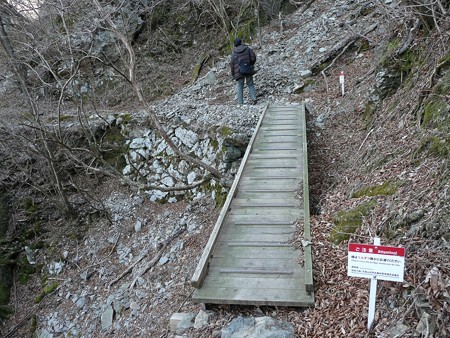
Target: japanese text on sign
[{"x": 376, "y": 261}]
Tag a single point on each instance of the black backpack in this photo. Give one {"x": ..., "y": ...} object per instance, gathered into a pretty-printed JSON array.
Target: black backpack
[{"x": 246, "y": 68}]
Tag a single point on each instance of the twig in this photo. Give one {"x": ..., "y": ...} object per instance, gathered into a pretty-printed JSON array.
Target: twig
[
  {"x": 367, "y": 136},
  {"x": 128, "y": 270},
  {"x": 157, "y": 257}
]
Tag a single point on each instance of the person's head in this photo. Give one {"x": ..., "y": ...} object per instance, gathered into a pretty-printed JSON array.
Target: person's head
[{"x": 237, "y": 42}]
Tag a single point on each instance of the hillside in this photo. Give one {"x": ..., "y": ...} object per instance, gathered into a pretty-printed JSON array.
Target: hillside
[{"x": 378, "y": 165}]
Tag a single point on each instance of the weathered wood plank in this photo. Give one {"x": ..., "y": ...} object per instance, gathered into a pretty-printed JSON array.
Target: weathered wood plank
[
  {"x": 273, "y": 164},
  {"x": 256, "y": 252},
  {"x": 251, "y": 238},
  {"x": 253, "y": 296},
  {"x": 265, "y": 194},
  {"x": 273, "y": 219},
  {"x": 260, "y": 229},
  {"x": 309, "y": 284},
  {"x": 293, "y": 271},
  {"x": 224, "y": 250},
  {"x": 262, "y": 203},
  {"x": 269, "y": 185},
  {"x": 263, "y": 210},
  {"x": 253, "y": 282},
  {"x": 268, "y": 263}
]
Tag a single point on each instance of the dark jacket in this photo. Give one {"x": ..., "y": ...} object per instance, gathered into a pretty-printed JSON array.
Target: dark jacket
[{"x": 241, "y": 53}]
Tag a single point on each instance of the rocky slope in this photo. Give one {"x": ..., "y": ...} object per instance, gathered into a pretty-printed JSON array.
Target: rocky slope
[{"x": 127, "y": 274}]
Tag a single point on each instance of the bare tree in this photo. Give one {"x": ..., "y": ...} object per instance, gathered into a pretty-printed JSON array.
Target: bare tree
[
  {"x": 130, "y": 64},
  {"x": 53, "y": 53}
]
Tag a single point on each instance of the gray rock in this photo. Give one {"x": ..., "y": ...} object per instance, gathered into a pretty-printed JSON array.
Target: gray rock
[
  {"x": 202, "y": 319},
  {"x": 305, "y": 73},
  {"x": 163, "y": 260},
  {"x": 80, "y": 302},
  {"x": 397, "y": 331},
  {"x": 187, "y": 137},
  {"x": 107, "y": 318},
  {"x": 261, "y": 327},
  {"x": 117, "y": 306},
  {"x": 320, "y": 121},
  {"x": 168, "y": 181},
  {"x": 45, "y": 334},
  {"x": 55, "y": 268},
  {"x": 183, "y": 167},
  {"x": 185, "y": 323},
  {"x": 210, "y": 78},
  {"x": 30, "y": 255},
  {"x": 191, "y": 177},
  {"x": 231, "y": 154},
  {"x": 427, "y": 325},
  {"x": 137, "y": 143},
  {"x": 138, "y": 226},
  {"x": 192, "y": 226}
]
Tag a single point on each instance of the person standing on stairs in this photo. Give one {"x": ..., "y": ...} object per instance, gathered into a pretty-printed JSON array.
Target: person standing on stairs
[{"x": 242, "y": 64}]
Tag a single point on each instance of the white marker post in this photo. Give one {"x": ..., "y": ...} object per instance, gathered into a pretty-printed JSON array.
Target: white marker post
[
  {"x": 373, "y": 293},
  {"x": 342, "y": 82},
  {"x": 375, "y": 262}
]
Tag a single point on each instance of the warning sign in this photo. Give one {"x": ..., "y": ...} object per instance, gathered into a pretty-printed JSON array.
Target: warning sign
[{"x": 376, "y": 261}]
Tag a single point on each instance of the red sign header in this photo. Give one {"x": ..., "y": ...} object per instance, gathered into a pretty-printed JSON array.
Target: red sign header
[{"x": 376, "y": 249}]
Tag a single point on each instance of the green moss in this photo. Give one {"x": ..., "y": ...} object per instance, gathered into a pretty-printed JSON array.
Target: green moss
[
  {"x": 348, "y": 222},
  {"x": 39, "y": 298},
  {"x": 246, "y": 31},
  {"x": 436, "y": 146},
  {"x": 220, "y": 195},
  {"x": 225, "y": 131},
  {"x": 29, "y": 206},
  {"x": 33, "y": 326},
  {"x": 198, "y": 67},
  {"x": 116, "y": 148},
  {"x": 4, "y": 293},
  {"x": 47, "y": 290},
  {"x": 307, "y": 86},
  {"x": 390, "y": 48},
  {"x": 369, "y": 113},
  {"x": 434, "y": 107},
  {"x": 445, "y": 61},
  {"x": 50, "y": 288},
  {"x": 5, "y": 311},
  {"x": 319, "y": 68},
  {"x": 215, "y": 144},
  {"x": 126, "y": 118},
  {"x": 385, "y": 189},
  {"x": 24, "y": 270},
  {"x": 435, "y": 118},
  {"x": 363, "y": 45},
  {"x": 407, "y": 61},
  {"x": 63, "y": 118},
  {"x": 114, "y": 135}
]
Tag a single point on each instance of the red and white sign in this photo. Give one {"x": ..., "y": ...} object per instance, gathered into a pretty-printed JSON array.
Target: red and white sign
[{"x": 376, "y": 261}]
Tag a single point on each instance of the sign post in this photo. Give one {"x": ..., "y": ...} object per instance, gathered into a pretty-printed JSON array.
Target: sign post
[
  {"x": 373, "y": 293},
  {"x": 376, "y": 262},
  {"x": 342, "y": 82}
]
